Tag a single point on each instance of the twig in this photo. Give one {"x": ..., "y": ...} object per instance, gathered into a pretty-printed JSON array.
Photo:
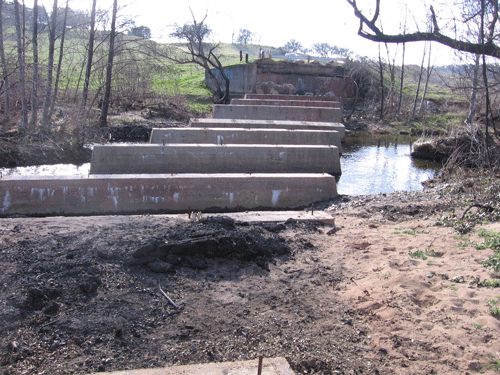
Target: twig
[
  {"x": 484, "y": 207},
  {"x": 166, "y": 296}
]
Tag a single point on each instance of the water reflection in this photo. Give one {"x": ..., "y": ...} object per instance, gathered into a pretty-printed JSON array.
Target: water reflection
[
  {"x": 381, "y": 165},
  {"x": 48, "y": 170}
]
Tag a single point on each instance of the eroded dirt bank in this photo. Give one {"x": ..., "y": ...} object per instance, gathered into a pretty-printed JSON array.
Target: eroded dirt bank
[{"x": 82, "y": 294}]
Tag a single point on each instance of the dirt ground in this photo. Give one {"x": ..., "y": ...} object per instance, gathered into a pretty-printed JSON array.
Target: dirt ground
[{"x": 85, "y": 294}]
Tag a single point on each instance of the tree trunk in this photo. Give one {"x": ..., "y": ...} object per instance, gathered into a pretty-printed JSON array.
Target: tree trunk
[
  {"x": 103, "y": 119},
  {"x": 20, "y": 57},
  {"x": 47, "y": 100},
  {"x": 429, "y": 71},
  {"x": 473, "y": 94},
  {"x": 59, "y": 63},
  {"x": 401, "y": 82},
  {"x": 90, "y": 54},
  {"x": 5, "y": 74},
  {"x": 418, "y": 86},
  {"x": 34, "y": 90},
  {"x": 381, "y": 71},
  {"x": 392, "y": 73}
]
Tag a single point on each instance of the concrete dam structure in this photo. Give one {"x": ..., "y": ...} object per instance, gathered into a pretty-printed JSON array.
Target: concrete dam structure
[{"x": 213, "y": 165}]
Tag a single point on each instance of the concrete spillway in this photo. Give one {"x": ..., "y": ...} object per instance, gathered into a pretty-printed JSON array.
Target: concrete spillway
[
  {"x": 267, "y": 124},
  {"x": 139, "y": 194},
  {"x": 224, "y": 136},
  {"x": 206, "y": 158},
  {"x": 290, "y": 97},
  {"x": 287, "y": 103},
  {"x": 270, "y": 112},
  {"x": 247, "y": 157}
]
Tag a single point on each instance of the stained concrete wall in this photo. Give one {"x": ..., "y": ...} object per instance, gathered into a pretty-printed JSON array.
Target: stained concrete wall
[
  {"x": 314, "y": 78},
  {"x": 288, "y": 103},
  {"x": 140, "y": 194},
  {"x": 290, "y": 97},
  {"x": 205, "y": 158},
  {"x": 269, "y": 112},
  {"x": 242, "y": 78},
  {"x": 225, "y": 136},
  {"x": 266, "y": 124}
]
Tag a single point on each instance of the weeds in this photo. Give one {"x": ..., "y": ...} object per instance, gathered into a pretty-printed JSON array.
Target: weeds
[
  {"x": 492, "y": 240},
  {"x": 490, "y": 283},
  {"x": 402, "y": 230},
  {"x": 494, "y": 306},
  {"x": 421, "y": 254}
]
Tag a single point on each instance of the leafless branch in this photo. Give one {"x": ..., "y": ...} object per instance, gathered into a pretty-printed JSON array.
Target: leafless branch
[{"x": 370, "y": 31}]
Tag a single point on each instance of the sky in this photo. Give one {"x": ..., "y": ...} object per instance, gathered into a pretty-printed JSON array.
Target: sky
[{"x": 275, "y": 22}]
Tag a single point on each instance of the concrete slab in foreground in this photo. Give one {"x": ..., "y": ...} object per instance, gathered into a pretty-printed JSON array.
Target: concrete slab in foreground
[
  {"x": 271, "y": 112},
  {"x": 271, "y": 366},
  {"x": 156, "y": 194},
  {"x": 266, "y": 124}
]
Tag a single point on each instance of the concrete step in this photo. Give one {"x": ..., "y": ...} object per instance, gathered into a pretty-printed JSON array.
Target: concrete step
[
  {"x": 223, "y": 136},
  {"x": 284, "y": 103},
  {"x": 270, "y": 112},
  {"x": 206, "y": 158},
  {"x": 266, "y": 124},
  {"x": 141, "y": 194},
  {"x": 290, "y": 97},
  {"x": 270, "y": 366}
]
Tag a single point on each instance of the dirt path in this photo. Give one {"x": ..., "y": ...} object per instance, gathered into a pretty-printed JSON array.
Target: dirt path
[{"x": 79, "y": 295}]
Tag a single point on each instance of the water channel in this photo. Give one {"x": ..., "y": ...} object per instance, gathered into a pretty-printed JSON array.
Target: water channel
[
  {"x": 382, "y": 164},
  {"x": 370, "y": 165}
]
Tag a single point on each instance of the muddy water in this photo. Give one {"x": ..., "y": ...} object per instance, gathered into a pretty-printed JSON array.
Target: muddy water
[{"x": 369, "y": 166}]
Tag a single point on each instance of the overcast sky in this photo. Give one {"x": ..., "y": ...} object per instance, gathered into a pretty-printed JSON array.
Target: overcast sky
[{"x": 276, "y": 22}]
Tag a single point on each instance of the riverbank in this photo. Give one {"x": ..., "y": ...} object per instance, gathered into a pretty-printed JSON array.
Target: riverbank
[{"x": 394, "y": 288}]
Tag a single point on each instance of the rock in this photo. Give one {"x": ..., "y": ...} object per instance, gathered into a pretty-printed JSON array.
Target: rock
[
  {"x": 160, "y": 267},
  {"x": 51, "y": 309}
]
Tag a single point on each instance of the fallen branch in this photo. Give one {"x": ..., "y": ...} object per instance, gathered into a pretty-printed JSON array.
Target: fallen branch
[
  {"x": 484, "y": 207},
  {"x": 166, "y": 296}
]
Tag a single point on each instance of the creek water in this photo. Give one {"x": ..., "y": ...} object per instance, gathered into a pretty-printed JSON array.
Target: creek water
[
  {"x": 374, "y": 165},
  {"x": 370, "y": 165}
]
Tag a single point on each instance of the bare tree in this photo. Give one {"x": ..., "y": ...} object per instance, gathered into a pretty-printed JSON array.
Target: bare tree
[
  {"x": 59, "y": 63},
  {"x": 417, "y": 92},
  {"x": 47, "y": 100},
  {"x": 90, "y": 55},
  {"x": 428, "y": 75},
  {"x": 401, "y": 81},
  {"x": 369, "y": 29},
  {"x": 109, "y": 68},
  {"x": 20, "y": 58},
  {"x": 5, "y": 89},
  {"x": 382, "y": 88},
  {"x": 474, "y": 89},
  {"x": 34, "y": 90},
  {"x": 203, "y": 54}
]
